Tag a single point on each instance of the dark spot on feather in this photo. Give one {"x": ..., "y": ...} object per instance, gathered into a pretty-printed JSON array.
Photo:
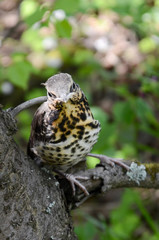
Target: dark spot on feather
[
  {"x": 58, "y": 149},
  {"x": 73, "y": 150},
  {"x": 68, "y": 132},
  {"x": 82, "y": 116}
]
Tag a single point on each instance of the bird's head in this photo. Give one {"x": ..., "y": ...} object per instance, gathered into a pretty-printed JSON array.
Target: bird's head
[{"x": 61, "y": 87}]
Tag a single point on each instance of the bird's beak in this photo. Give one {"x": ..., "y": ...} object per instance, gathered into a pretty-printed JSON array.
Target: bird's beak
[
  {"x": 43, "y": 84},
  {"x": 63, "y": 100}
]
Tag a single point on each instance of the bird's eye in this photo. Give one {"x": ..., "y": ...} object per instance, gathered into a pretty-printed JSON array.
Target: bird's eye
[
  {"x": 51, "y": 95},
  {"x": 73, "y": 87}
]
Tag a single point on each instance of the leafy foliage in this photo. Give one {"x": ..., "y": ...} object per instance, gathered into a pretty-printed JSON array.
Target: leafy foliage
[{"x": 124, "y": 222}]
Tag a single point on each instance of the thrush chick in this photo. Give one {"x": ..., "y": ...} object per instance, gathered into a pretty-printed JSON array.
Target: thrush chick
[{"x": 63, "y": 129}]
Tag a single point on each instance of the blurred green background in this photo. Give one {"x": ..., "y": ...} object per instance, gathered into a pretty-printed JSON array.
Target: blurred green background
[{"x": 111, "y": 49}]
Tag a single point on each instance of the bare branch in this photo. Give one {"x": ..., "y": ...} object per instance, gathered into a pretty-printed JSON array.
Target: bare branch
[
  {"x": 104, "y": 178},
  {"x": 27, "y": 104}
]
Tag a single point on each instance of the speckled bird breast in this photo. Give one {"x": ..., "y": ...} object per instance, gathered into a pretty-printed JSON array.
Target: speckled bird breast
[{"x": 70, "y": 136}]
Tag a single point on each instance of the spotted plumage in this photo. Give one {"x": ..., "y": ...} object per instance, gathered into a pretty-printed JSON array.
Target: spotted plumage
[{"x": 63, "y": 129}]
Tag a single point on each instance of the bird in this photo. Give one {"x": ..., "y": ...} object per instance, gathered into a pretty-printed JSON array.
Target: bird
[{"x": 63, "y": 130}]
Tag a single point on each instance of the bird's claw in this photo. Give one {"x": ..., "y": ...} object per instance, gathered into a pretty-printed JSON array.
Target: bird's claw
[
  {"x": 73, "y": 180},
  {"x": 111, "y": 161}
]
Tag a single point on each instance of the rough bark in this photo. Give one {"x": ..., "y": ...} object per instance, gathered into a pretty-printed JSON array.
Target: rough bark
[{"x": 31, "y": 205}]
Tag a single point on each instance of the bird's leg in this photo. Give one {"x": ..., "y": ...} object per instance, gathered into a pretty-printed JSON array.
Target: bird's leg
[
  {"x": 111, "y": 161},
  {"x": 73, "y": 181}
]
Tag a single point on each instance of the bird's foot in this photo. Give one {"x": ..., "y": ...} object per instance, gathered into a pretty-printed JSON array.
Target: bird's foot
[
  {"x": 74, "y": 181},
  {"x": 111, "y": 161}
]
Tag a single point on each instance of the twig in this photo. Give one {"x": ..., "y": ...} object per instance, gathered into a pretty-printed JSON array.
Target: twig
[{"x": 26, "y": 104}]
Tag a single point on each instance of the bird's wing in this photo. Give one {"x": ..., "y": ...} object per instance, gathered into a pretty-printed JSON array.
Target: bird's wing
[{"x": 41, "y": 126}]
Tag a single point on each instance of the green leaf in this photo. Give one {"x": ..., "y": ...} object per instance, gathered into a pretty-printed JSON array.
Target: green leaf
[
  {"x": 150, "y": 86},
  {"x": 123, "y": 112},
  {"x": 63, "y": 28},
  {"x": 106, "y": 135},
  {"x": 147, "y": 45},
  {"x": 83, "y": 55},
  {"x": 128, "y": 151},
  {"x": 123, "y": 229},
  {"x": 27, "y": 8},
  {"x": 100, "y": 4},
  {"x": 24, "y": 122},
  {"x": 31, "y": 12},
  {"x": 32, "y": 38},
  {"x": 92, "y": 162},
  {"x": 143, "y": 110},
  {"x": 146, "y": 214},
  {"x": 37, "y": 92},
  {"x": 123, "y": 91},
  {"x": 126, "y": 133},
  {"x": 36, "y": 16},
  {"x": 19, "y": 73},
  {"x": 86, "y": 231},
  {"x": 70, "y": 7}
]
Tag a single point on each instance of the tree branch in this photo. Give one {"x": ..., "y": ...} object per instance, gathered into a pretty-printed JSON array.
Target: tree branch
[
  {"x": 105, "y": 178},
  {"x": 27, "y": 104}
]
